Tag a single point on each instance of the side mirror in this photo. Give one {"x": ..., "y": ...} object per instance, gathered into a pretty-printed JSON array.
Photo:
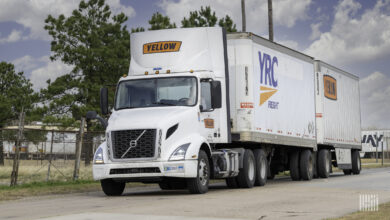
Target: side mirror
[
  {"x": 91, "y": 115},
  {"x": 104, "y": 101},
  {"x": 216, "y": 94},
  {"x": 94, "y": 115}
]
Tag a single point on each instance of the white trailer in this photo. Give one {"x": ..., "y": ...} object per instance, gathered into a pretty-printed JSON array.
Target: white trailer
[
  {"x": 200, "y": 104},
  {"x": 373, "y": 141}
]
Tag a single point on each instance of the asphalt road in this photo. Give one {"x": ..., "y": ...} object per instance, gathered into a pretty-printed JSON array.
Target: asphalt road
[{"x": 280, "y": 198}]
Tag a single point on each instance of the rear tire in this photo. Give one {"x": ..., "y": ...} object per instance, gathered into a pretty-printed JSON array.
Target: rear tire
[
  {"x": 306, "y": 164},
  {"x": 200, "y": 184},
  {"x": 112, "y": 188},
  {"x": 323, "y": 163},
  {"x": 261, "y": 167},
  {"x": 294, "y": 166},
  {"x": 246, "y": 177},
  {"x": 347, "y": 172},
  {"x": 356, "y": 163},
  {"x": 232, "y": 182}
]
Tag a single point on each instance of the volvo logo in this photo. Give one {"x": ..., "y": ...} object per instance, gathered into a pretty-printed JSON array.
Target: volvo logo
[{"x": 133, "y": 143}]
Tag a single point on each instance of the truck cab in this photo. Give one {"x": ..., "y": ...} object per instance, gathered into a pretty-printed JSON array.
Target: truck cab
[{"x": 169, "y": 110}]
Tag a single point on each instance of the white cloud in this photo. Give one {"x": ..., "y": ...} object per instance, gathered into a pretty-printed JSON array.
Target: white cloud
[
  {"x": 375, "y": 100},
  {"x": 51, "y": 70},
  {"x": 352, "y": 37},
  {"x": 25, "y": 63},
  {"x": 315, "y": 31},
  {"x": 286, "y": 12},
  {"x": 14, "y": 36},
  {"x": 32, "y": 14}
]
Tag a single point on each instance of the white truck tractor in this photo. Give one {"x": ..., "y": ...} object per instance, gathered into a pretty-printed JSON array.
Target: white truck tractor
[{"x": 200, "y": 104}]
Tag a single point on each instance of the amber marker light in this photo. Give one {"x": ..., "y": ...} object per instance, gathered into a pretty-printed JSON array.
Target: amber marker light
[
  {"x": 168, "y": 71},
  {"x": 146, "y": 72},
  {"x": 157, "y": 72}
]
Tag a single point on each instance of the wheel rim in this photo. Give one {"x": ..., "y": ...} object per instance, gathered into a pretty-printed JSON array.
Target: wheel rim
[
  {"x": 263, "y": 171},
  {"x": 311, "y": 165},
  {"x": 358, "y": 163},
  {"x": 327, "y": 163},
  {"x": 203, "y": 172},
  {"x": 251, "y": 169}
]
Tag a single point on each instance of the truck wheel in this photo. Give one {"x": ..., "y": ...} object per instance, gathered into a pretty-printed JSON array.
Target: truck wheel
[
  {"x": 294, "y": 166},
  {"x": 112, "y": 188},
  {"x": 200, "y": 184},
  {"x": 246, "y": 177},
  {"x": 323, "y": 163},
  {"x": 347, "y": 172},
  {"x": 306, "y": 164},
  {"x": 356, "y": 163},
  {"x": 261, "y": 167},
  {"x": 232, "y": 182}
]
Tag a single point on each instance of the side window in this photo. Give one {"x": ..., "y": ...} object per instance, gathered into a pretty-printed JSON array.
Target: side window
[{"x": 205, "y": 95}]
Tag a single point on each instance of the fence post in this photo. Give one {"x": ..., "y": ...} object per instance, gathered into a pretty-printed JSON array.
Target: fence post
[
  {"x": 1, "y": 147},
  {"x": 50, "y": 156},
  {"x": 15, "y": 167},
  {"x": 78, "y": 150}
]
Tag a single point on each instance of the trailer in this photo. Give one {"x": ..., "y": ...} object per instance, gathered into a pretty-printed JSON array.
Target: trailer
[
  {"x": 200, "y": 104},
  {"x": 374, "y": 142}
]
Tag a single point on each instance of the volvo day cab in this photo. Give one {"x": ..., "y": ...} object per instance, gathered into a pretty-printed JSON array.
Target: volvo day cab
[{"x": 200, "y": 104}]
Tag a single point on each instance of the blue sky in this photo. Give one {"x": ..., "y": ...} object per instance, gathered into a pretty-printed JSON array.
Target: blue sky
[{"x": 353, "y": 35}]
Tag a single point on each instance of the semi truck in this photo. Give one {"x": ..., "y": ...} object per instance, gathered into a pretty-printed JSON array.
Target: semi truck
[{"x": 200, "y": 104}]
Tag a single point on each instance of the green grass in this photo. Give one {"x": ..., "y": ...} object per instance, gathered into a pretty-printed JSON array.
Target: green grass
[{"x": 382, "y": 213}]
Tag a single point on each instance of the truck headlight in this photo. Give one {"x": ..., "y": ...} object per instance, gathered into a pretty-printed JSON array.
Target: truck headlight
[
  {"x": 98, "y": 158},
  {"x": 179, "y": 153}
]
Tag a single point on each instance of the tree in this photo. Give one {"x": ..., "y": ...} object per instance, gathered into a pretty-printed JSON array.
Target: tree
[
  {"x": 207, "y": 18},
  {"x": 228, "y": 24},
  {"x": 97, "y": 44},
  {"x": 158, "y": 21},
  {"x": 16, "y": 93},
  {"x": 138, "y": 29},
  {"x": 203, "y": 18}
]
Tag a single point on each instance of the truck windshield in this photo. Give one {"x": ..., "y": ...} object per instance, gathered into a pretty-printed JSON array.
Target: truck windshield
[{"x": 169, "y": 91}]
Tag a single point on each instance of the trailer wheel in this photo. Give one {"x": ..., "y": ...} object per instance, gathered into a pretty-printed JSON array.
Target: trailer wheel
[
  {"x": 112, "y": 188},
  {"x": 323, "y": 163},
  {"x": 306, "y": 164},
  {"x": 347, "y": 172},
  {"x": 200, "y": 184},
  {"x": 356, "y": 163},
  {"x": 246, "y": 177},
  {"x": 231, "y": 182},
  {"x": 261, "y": 167},
  {"x": 294, "y": 166}
]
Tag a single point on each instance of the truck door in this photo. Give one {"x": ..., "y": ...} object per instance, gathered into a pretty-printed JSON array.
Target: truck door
[{"x": 212, "y": 114}]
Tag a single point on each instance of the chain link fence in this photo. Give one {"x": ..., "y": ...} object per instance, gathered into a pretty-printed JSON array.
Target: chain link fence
[{"x": 47, "y": 154}]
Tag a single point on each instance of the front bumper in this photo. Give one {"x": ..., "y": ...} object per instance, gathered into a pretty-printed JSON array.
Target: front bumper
[{"x": 183, "y": 169}]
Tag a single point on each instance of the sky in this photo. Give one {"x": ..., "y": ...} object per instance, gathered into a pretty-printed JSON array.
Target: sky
[{"x": 353, "y": 35}]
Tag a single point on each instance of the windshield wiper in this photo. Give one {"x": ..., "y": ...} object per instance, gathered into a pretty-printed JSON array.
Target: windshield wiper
[{"x": 163, "y": 103}]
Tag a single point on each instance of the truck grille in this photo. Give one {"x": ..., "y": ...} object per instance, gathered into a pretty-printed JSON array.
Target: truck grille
[{"x": 141, "y": 143}]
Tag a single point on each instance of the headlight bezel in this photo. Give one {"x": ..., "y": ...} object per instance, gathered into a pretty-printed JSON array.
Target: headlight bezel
[
  {"x": 179, "y": 153},
  {"x": 98, "y": 158}
]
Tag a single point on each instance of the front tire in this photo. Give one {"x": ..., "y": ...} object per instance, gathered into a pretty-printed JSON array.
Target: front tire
[
  {"x": 112, "y": 188},
  {"x": 200, "y": 184},
  {"x": 246, "y": 177},
  {"x": 356, "y": 163},
  {"x": 261, "y": 167}
]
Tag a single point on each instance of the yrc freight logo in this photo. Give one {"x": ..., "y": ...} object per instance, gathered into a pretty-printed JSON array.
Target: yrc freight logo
[{"x": 268, "y": 82}]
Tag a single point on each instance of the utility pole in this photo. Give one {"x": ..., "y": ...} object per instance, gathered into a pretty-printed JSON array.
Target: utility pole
[
  {"x": 270, "y": 22},
  {"x": 78, "y": 150},
  {"x": 15, "y": 167},
  {"x": 243, "y": 15}
]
